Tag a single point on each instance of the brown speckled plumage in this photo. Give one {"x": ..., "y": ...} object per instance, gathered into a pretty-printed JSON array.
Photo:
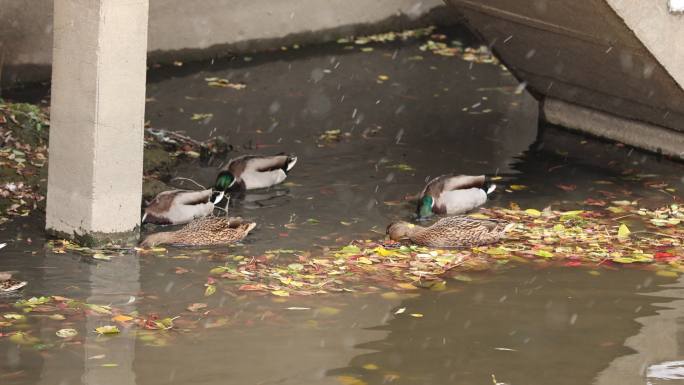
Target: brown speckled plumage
[
  {"x": 204, "y": 232},
  {"x": 456, "y": 231}
]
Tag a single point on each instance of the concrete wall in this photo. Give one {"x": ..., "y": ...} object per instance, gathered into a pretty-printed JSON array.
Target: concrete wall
[{"x": 183, "y": 27}]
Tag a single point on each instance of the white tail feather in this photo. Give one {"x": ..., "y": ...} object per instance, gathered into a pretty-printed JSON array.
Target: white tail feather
[
  {"x": 143, "y": 218},
  {"x": 219, "y": 197},
  {"x": 292, "y": 163},
  {"x": 491, "y": 189}
]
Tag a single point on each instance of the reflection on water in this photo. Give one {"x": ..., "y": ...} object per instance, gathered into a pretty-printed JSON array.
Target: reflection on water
[
  {"x": 109, "y": 361},
  {"x": 524, "y": 325},
  {"x": 658, "y": 341}
]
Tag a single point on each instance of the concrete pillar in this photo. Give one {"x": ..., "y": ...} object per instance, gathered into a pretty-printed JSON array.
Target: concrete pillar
[{"x": 97, "y": 113}]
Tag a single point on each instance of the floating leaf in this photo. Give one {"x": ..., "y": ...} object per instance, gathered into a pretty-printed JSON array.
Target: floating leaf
[
  {"x": 533, "y": 212},
  {"x": 349, "y": 380},
  {"x": 417, "y": 315},
  {"x": 667, "y": 273},
  {"x": 201, "y": 116},
  {"x": 211, "y": 289},
  {"x": 371, "y": 367},
  {"x": 280, "y": 293},
  {"x": 623, "y": 260},
  {"x": 544, "y": 254},
  {"x": 295, "y": 266},
  {"x": 406, "y": 286},
  {"x": 99, "y": 308},
  {"x": 107, "y": 329},
  {"x": 517, "y": 187},
  {"x": 328, "y": 311},
  {"x": 21, "y": 338},
  {"x": 350, "y": 249},
  {"x": 66, "y": 333},
  {"x": 623, "y": 231},
  {"x": 365, "y": 261},
  {"x": 122, "y": 318}
]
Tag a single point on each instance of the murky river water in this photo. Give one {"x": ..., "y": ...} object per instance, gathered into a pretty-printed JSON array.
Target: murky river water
[{"x": 521, "y": 324}]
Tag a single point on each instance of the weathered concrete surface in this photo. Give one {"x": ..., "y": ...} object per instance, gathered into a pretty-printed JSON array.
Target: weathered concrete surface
[
  {"x": 96, "y": 135},
  {"x": 194, "y": 25},
  {"x": 647, "y": 136},
  {"x": 621, "y": 57}
]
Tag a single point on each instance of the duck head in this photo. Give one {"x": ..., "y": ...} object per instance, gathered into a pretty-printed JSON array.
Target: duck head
[
  {"x": 425, "y": 207},
  {"x": 155, "y": 239},
  {"x": 400, "y": 230},
  {"x": 224, "y": 181}
]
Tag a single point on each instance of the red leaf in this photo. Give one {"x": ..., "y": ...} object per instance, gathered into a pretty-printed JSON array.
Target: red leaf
[
  {"x": 665, "y": 256},
  {"x": 566, "y": 187},
  {"x": 249, "y": 287}
]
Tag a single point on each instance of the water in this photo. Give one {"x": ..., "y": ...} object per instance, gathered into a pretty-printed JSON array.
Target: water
[{"x": 522, "y": 324}]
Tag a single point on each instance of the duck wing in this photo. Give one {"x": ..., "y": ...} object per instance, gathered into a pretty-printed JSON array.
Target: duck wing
[
  {"x": 451, "y": 182},
  {"x": 193, "y": 197},
  {"x": 270, "y": 163},
  {"x": 460, "y": 201},
  {"x": 459, "y": 231},
  {"x": 178, "y": 206}
]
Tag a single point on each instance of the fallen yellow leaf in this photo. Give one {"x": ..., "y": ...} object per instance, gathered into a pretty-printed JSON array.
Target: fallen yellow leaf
[
  {"x": 280, "y": 293},
  {"x": 121, "y": 318}
]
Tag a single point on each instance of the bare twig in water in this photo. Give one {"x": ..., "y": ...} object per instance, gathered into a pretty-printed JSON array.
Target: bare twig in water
[
  {"x": 660, "y": 234},
  {"x": 176, "y": 135},
  {"x": 189, "y": 180}
]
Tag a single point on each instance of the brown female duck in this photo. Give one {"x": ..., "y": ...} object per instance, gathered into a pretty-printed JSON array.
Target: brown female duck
[
  {"x": 203, "y": 232},
  {"x": 457, "y": 231}
]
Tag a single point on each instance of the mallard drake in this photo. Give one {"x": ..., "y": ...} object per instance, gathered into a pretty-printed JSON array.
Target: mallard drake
[
  {"x": 176, "y": 207},
  {"x": 250, "y": 172},
  {"x": 7, "y": 284},
  {"x": 453, "y": 194},
  {"x": 203, "y": 232},
  {"x": 457, "y": 231}
]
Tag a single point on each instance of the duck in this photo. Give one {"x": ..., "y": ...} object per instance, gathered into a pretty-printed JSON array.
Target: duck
[
  {"x": 249, "y": 172},
  {"x": 177, "y": 207},
  {"x": 453, "y": 195},
  {"x": 449, "y": 232},
  {"x": 7, "y": 284},
  {"x": 205, "y": 231}
]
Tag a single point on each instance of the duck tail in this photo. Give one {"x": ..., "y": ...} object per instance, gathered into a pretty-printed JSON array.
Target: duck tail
[
  {"x": 508, "y": 228},
  {"x": 250, "y": 227},
  {"x": 291, "y": 161},
  {"x": 491, "y": 188}
]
